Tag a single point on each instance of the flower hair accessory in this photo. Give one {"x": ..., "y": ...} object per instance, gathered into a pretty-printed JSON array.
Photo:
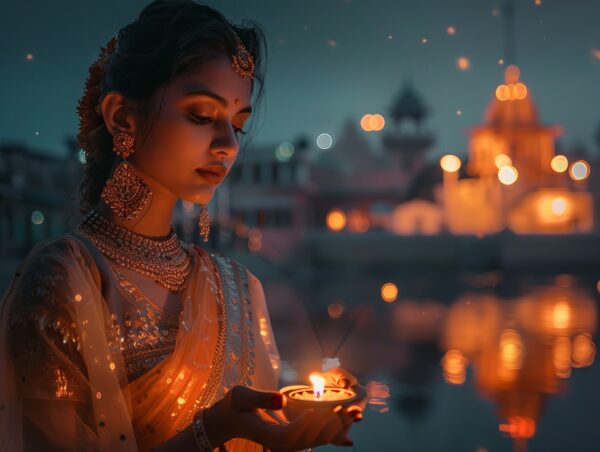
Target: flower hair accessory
[
  {"x": 242, "y": 62},
  {"x": 88, "y": 103}
]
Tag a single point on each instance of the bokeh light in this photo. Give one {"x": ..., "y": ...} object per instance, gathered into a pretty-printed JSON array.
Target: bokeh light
[
  {"x": 559, "y": 206},
  {"x": 502, "y": 160},
  {"x": 358, "y": 221},
  {"x": 324, "y": 141},
  {"x": 463, "y": 63},
  {"x": 254, "y": 240},
  {"x": 284, "y": 151},
  {"x": 37, "y": 217},
  {"x": 559, "y": 163},
  {"x": 335, "y": 310},
  {"x": 454, "y": 364},
  {"x": 508, "y": 175},
  {"x": 336, "y": 220},
  {"x": 579, "y": 170},
  {"x": 389, "y": 292},
  {"x": 450, "y": 163}
]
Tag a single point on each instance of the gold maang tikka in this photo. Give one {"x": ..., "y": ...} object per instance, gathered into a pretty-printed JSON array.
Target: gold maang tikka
[
  {"x": 242, "y": 62},
  {"x": 125, "y": 192}
]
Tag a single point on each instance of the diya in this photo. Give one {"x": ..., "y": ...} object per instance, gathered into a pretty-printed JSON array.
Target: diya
[{"x": 319, "y": 397}]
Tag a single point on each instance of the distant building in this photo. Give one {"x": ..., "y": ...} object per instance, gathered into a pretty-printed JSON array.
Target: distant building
[
  {"x": 34, "y": 196},
  {"x": 516, "y": 180},
  {"x": 279, "y": 193}
]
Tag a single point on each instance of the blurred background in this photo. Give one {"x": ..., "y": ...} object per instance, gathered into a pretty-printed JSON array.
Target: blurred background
[{"x": 421, "y": 200}]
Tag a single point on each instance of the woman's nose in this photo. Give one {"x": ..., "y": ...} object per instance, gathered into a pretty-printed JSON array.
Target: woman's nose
[{"x": 227, "y": 145}]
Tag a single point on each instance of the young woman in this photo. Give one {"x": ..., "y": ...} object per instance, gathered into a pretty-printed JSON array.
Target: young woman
[{"x": 118, "y": 336}]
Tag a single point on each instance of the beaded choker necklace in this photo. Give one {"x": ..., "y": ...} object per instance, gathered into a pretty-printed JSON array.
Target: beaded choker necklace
[{"x": 164, "y": 260}]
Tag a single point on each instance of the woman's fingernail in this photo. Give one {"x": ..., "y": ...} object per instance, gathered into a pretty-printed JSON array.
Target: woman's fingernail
[
  {"x": 354, "y": 414},
  {"x": 277, "y": 401},
  {"x": 358, "y": 418}
]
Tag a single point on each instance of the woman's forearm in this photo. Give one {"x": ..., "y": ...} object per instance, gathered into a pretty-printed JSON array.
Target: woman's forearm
[{"x": 185, "y": 440}]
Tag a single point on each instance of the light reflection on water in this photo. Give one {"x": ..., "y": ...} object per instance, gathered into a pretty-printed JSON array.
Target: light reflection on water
[{"x": 491, "y": 366}]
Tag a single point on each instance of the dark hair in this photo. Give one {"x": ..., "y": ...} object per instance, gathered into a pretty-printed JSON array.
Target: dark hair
[{"x": 168, "y": 39}]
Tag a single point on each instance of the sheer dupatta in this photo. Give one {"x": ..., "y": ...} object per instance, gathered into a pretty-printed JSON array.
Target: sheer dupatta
[{"x": 224, "y": 339}]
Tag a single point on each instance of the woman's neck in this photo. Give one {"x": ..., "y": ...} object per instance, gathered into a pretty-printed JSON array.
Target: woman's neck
[{"x": 153, "y": 221}]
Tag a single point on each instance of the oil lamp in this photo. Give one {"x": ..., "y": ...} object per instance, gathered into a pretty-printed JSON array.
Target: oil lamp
[{"x": 320, "y": 397}]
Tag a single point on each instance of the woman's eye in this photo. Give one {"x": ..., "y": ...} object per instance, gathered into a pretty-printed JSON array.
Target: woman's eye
[
  {"x": 201, "y": 119},
  {"x": 207, "y": 119},
  {"x": 238, "y": 130}
]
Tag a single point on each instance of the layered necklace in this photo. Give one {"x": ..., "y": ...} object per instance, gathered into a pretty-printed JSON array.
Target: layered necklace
[{"x": 164, "y": 260}]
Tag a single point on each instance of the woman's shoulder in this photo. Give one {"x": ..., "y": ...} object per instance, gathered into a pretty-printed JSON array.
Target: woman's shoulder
[
  {"x": 48, "y": 271},
  {"x": 55, "y": 253}
]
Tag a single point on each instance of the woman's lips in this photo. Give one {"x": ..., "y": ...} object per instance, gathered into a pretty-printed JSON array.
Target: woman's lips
[{"x": 213, "y": 174}]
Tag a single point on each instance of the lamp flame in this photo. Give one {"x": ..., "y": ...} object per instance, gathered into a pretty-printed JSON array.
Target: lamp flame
[{"x": 318, "y": 386}]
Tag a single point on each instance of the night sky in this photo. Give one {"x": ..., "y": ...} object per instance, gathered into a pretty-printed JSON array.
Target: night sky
[{"x": 329, "y": 60}]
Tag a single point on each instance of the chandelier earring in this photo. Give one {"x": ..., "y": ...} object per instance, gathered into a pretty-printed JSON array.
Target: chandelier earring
[
  {"x": 204, "y": 222},
  {"x": 125, "y": 192}
]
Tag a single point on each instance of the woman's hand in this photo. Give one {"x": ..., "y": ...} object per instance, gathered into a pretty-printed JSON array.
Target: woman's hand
[
  {"x": 338, "y": 377},
  {"x": 241, "y": 414}
]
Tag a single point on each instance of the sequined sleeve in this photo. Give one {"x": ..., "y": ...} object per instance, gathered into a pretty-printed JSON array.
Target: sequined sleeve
[
  {"x": 44, "y": 344},
  {"x": 48, "y": 369}
]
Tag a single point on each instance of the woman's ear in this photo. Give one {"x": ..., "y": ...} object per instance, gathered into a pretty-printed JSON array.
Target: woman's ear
[{"x": 119, "y": 113}]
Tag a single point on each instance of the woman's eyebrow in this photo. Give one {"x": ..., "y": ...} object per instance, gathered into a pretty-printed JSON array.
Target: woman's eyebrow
[{"x": 215, "y": 96}]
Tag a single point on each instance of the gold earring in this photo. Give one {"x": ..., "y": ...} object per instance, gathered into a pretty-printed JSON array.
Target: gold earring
[
  {"x": 125, "y": 192},
  {"x": 204, "y": 222}
]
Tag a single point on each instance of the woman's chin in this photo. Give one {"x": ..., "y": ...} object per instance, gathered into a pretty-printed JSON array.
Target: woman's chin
[{"x": 199, "y": 198}]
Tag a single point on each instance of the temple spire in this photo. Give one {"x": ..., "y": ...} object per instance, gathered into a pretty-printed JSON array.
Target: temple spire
[{"x": 508, "y": 24}]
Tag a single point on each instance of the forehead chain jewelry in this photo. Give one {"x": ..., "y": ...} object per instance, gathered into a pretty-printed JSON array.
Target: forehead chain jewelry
[{"x": 242, "y": 62}]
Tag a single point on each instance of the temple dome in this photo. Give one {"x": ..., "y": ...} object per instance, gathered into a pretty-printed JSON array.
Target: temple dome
[
  {"x": 408, "y": 104},
  {"x": 512, "y": 105}
]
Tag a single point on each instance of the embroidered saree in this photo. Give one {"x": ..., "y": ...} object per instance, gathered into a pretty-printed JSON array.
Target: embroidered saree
[{"x": 90, "y": 361}]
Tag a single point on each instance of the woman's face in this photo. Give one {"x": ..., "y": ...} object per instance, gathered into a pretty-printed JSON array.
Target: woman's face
[{"x": 197, "y": 128}]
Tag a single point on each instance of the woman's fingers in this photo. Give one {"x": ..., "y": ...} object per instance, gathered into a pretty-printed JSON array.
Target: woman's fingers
[
  {"x": 339, "y": 377},
  {"x": 247, "y": 399},
  {"x": 348, "y": 418},
  {"x": 289, "y": 436},
  {"x": 309, "y": 429}
]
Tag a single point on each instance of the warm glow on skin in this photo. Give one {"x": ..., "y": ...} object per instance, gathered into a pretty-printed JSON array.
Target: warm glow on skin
[{"x": 195, "y": 122}]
